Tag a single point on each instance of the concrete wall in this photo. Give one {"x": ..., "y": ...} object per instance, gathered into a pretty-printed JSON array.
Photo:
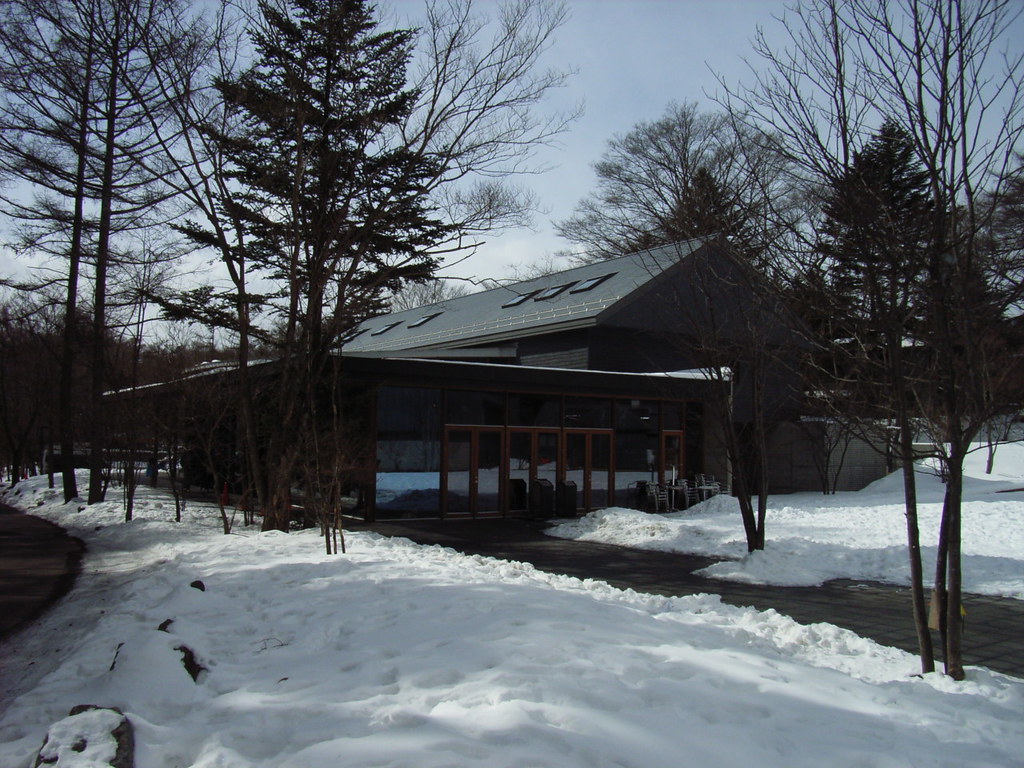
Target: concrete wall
[{"x": 797, "y": 454}]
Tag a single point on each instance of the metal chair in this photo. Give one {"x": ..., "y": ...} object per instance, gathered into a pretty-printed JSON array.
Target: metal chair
[
  {"x": 657, "y": 498},
  {"x": 707, "y": 486}
]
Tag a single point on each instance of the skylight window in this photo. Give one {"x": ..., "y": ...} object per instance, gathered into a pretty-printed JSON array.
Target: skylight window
[
  {"x": 385, "y": 328},
  {"x": 425, "y": 319},
  {"x": 356, "y": 333},
  {"x": 592, "y": 282},
  {"x": 554, "y": 290},
  {"x": 516, "y": 301}
]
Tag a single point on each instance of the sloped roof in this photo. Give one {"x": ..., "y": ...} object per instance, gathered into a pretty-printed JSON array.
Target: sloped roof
[{"x": 564, "y": 300}]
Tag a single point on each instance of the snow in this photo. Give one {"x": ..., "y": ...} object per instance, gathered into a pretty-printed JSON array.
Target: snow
[
  {"x": 84, "y": 740},
  {"x": 402, "y": 655},
  {"x": 812, "y": 538}
]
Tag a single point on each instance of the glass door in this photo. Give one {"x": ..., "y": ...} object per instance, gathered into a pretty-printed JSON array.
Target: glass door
[
  {"x": 487, "y": 470},
  {"x": 588, "y": 465},
  {"x": 520, "y": 471},
  {"x": 473, "y": 460},
  {"x": 533, "y": 454},
  {"x": 458, "y": 468}
]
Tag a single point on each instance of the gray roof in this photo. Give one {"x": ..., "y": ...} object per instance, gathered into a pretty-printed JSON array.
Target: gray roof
[{"x": 502, "y": 314}]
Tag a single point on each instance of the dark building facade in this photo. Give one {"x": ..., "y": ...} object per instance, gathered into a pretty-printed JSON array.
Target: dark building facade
[{"x": 563, "y": 394}]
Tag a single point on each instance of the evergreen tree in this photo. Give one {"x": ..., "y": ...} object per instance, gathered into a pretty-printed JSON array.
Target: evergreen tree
[
  {"x": 875, "y": 237},
  {"x": 876, "y": 242},
  {"x": 334, "y": 203},
  {"x": 333, "y": 199}
]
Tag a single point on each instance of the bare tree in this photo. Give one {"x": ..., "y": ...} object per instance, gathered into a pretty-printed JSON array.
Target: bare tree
[
  {"x": 481, "y": 85},
  {"x": 29, "y": 348},
  {"x": 943, "y": 71},
  {"x": 737, "y": 329},
  {"x": 414, "y": 295},
  {"x": 75, "y": 74},
  {"x": 688, "y": 174},
  {"x": 707, "y": 175}
]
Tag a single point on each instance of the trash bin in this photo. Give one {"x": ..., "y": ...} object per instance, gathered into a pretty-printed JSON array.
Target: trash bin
[
  {"x": 542, "y": 498},
  {"x": 566, "y": 498},
  {"x": 517, "y": 496}
]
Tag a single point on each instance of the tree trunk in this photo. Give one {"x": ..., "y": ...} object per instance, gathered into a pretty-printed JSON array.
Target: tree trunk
[
  {"x": 954, "y": 619},
  {"x": 920, "y": 606},
  {"x": 69, "y": 342},
  {"x": 939, "y": 596},
  {"x": 99, "y": 324}
]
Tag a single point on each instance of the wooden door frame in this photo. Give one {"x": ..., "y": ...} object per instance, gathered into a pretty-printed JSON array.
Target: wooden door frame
[
  {"x": 474, "y": 469},
  {"x": 588, "y": 433}
]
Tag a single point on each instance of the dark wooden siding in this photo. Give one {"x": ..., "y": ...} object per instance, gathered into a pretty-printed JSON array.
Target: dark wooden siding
[{"x": 561, "y": 350}]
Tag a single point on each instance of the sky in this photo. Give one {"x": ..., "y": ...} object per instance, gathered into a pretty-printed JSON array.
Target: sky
[{"x": 633, "y": 58}]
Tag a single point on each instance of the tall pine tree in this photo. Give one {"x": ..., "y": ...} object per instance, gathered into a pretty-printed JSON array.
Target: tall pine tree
[
  {"x": 875, "y": 239},
  {"x": 334, "y": 203}
]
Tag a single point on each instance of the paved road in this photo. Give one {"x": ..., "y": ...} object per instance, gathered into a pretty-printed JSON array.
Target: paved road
[
  {"x": 38, "y": 565},
  {"x": 994, "y": 633}
]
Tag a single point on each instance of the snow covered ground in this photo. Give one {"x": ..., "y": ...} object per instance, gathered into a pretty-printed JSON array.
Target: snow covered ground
[
  {"x": 813, "y": 538},
  {"x": 400, "y": 655}
]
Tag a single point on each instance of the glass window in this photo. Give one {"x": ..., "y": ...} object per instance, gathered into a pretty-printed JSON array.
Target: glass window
[
  {"x": 385, "y": 328},
  {"x": 425, "y": 319},
  {"x": 517, "y": 300},
  {"x": 673, "y": 416},
  {"x": 408, "y": 452},
  {"x": 484, "y": 408},
  {"x": 527, "y": 410},
  {"x": 636, "y": 415},
  {"x": 357, "y": 332},
  {"x": 592, "y": 283},
  {"x": 588, "y": 412},
  {"x": 550, "y": 293}
]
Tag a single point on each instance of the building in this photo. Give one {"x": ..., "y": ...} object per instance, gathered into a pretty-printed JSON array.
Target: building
[{"x": 568, "y": 392}]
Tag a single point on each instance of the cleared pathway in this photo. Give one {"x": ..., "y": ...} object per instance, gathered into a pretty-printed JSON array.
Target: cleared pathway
[
  {"x": 39, "y": 561},
  {"x": 993, "y": 636},
  {"x": 38, "y": 565}
]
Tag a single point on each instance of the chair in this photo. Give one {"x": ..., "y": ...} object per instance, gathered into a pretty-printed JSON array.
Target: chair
[
  {"x": 706, "y": 487},
  {"x": 657, "y": 498}
]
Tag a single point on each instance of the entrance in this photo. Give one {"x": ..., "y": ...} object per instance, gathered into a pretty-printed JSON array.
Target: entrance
[
  {"x": 473, "y": 461},
  {"x": 588, "y": 465},
  {"x": 533, "y": 454}
]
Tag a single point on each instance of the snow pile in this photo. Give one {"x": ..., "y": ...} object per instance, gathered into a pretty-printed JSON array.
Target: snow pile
[
  {"x": 401, "y": 655},
  {"x": 812, "y": 538}
]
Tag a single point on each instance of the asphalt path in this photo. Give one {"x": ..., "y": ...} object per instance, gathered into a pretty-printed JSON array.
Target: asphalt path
[{"x": 38, "y": 565}]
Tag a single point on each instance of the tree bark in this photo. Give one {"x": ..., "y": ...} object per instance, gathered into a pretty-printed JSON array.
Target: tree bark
[{"x": 99, "y": 323}]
